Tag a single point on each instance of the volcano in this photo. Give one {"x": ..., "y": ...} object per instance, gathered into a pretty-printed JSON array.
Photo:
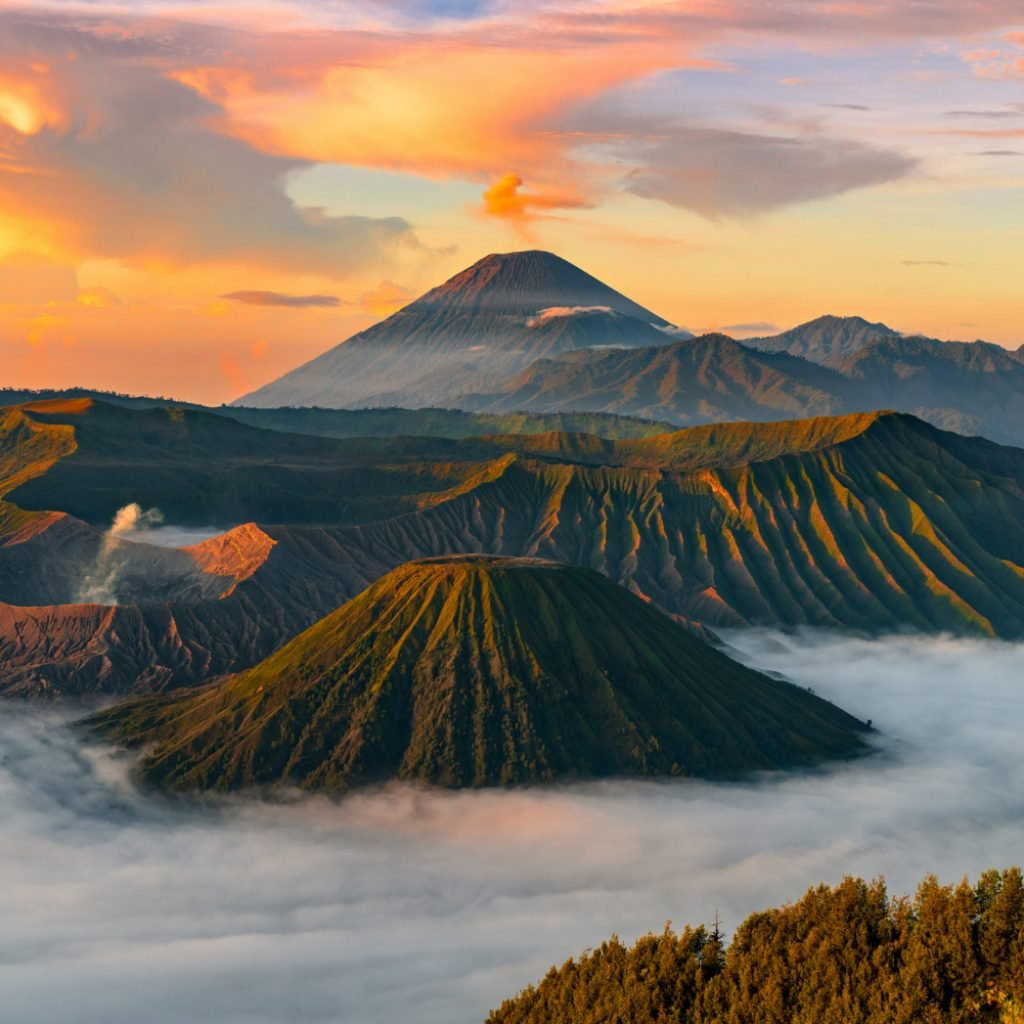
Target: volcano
[
  {"x": 482, "y": 671},
  {"x": 490, "y": 320}
]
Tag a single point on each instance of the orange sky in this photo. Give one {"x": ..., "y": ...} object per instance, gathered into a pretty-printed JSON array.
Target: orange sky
[{"x": 728, "y": 165}]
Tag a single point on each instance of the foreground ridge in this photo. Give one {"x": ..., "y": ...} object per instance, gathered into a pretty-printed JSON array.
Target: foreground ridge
[{"x": 849, "y": 954}]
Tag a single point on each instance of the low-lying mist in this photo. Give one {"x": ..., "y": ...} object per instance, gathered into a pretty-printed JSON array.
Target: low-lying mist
[{"x": 412, "y": 906}]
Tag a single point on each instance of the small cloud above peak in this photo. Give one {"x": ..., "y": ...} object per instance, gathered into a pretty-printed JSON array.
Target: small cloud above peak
[
  {"x": 264, "y": 298},
  {"x": 505, "y": 199}
]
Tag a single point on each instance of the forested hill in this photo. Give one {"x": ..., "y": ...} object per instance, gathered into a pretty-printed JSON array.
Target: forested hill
[{"x": 848, "y": 955}]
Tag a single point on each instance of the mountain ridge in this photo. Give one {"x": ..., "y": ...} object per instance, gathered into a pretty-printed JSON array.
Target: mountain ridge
[{"x": 872, "y": 523}]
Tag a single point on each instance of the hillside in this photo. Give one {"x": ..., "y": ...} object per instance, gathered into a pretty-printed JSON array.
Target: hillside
[
  {"x": 491, "y": 319},
  {"x": 873, "y": 522},
  {"x": 852, "y": 953},
  {"x": 530, "y": 332},
  {"x": 202, "y": 469},
  {"x": 480, "y": 672}
]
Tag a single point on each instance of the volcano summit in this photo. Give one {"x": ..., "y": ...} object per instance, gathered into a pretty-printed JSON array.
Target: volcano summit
[{"x": 494, "y": 318}]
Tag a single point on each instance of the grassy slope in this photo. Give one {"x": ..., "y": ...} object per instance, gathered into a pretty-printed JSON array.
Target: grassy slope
[
  {"x": 897, "y": 526},
  {"x": 472, "y": 672}
]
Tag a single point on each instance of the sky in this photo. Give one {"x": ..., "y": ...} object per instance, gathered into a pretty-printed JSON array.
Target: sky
[
  {"x": 431, "y": 906},
  {"x": 195, "y": 198}
]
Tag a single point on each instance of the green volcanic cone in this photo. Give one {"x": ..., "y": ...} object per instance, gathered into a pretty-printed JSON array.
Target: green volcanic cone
[{"x": 481, "y": 671}]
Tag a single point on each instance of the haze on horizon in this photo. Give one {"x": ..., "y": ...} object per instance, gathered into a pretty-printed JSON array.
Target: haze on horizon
[{"x": 195, "y": 200}]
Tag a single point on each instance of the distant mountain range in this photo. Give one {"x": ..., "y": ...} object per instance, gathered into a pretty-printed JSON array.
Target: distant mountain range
[
  {"x": 824, "y": 339},
  {"x": 493, "y": 318},
  {"x": 873, "y": 522},
  {"x": 529, "y": 332},
  {"x": 973, "y": 388},
  {"x": 482, "y": 671}
]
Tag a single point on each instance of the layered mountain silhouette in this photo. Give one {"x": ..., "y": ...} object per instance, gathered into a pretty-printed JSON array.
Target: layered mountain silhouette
[
  {"x": 873, "y": 522},
  {"x": 481, "y": 672},
  {"x": 702, "y": 380},
  {"x": 971, "y": 387},
  {"x": 493, "y": 318},
  {"x": 529, "y": 332}
]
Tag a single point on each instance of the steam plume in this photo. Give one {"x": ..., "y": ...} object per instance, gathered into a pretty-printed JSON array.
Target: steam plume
[{"x": 99, "y": 586}]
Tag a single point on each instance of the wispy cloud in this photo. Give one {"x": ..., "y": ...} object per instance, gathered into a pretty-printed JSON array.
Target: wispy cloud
[
  {"x": 757, "y": 326},
  {"x": 259, "y": 298},
  {"x": 727, "y": 173}
]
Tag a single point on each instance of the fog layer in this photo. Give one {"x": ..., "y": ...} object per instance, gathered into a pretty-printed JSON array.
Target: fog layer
[{"x": 412, "y": 906}]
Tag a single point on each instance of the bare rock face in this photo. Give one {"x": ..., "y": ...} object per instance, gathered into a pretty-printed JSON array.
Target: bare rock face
[{"x": 236, "y": 555}]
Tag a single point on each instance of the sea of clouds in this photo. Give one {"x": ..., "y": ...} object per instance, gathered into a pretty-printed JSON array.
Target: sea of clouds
[{"x": 406, "y": 905}]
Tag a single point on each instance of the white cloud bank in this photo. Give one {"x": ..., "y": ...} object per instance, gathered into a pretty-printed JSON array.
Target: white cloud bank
[{"x": 413, "y": 906}]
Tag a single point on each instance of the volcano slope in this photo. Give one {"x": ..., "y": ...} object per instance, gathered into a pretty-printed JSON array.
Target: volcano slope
[
  {"x": 875, "y": 522},
  {"x": 478, "y": 671},
  {"x": 493, "y": 318}
]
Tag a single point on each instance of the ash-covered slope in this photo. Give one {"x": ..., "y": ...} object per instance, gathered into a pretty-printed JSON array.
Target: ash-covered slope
[
  {"x": 482, "y": 672},
  {"x": 491, "y": 319}
]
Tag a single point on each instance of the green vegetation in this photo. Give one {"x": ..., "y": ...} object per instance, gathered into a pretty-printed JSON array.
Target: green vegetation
[
  {"x": 482, "y": 672},
  {"x": 845, "y": 955},
  {"x": 874, "y": 522},
  {"x": 200, "y": 468}
]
